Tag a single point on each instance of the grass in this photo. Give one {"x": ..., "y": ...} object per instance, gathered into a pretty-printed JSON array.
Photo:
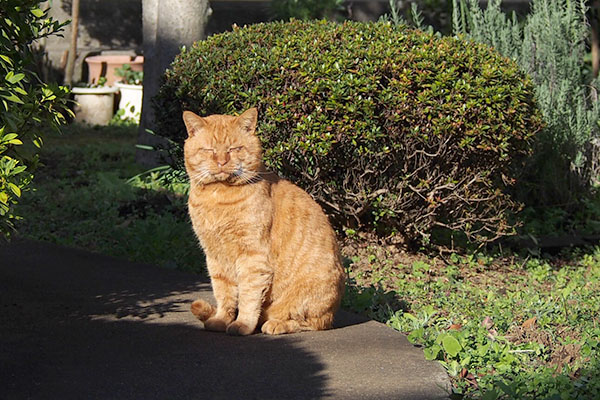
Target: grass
[
  {"x": 503, "y": 327},
  {"x": 88, "y": 195}
]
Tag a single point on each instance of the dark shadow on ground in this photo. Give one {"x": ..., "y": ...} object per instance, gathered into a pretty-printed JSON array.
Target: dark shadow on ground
[{"x": 77, "y": 325}]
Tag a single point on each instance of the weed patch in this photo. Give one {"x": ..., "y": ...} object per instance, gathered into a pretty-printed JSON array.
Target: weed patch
[{"x": 502, "y": 328}]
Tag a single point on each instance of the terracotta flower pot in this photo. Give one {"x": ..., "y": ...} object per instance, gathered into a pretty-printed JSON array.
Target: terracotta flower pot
[
  {"x": 94, "y": 105},
  {"x": 105, "y": 66}
]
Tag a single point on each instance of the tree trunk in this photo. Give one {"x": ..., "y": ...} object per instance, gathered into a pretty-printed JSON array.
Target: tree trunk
[
  {"x": 167, "y": 25},
  {"x": 72, "y": 56}
]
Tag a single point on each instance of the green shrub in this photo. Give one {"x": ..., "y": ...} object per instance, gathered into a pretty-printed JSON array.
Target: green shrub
[
  {"x": 385, "y": 126},
  {"x": 549, "y": 45},
  {"x": 28, "y": 106}
]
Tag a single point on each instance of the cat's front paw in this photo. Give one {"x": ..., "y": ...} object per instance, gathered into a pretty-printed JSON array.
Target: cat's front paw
[
  {"x": 237, "y": 328},
  {"x": 215, "y": 325}
]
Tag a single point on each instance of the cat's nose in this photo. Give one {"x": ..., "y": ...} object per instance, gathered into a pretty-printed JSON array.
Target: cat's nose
[{"x": 222, "y": 159}]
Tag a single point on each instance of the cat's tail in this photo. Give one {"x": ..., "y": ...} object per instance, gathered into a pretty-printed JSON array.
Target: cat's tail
[{"x": 203, "y": 310}]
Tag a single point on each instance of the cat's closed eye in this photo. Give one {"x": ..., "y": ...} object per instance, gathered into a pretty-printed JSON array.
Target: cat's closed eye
[
  {"x": 207, "y": 150},
  {"x": 233, "y": 149}
]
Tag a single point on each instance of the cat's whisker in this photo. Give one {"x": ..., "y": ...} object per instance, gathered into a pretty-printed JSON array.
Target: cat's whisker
[
  {"x": 200, "y": 176},
  {"x": 247, "y": 177}
]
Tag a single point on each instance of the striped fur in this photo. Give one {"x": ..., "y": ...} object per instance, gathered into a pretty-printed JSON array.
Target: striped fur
[{"x": 271, "y": 253}]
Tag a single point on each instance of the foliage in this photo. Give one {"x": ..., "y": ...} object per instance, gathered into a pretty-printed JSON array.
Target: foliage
[
  {"x": 502, "y": 328},
  {"x": 90, "y": 194},
  {"x": 129, "y": 76},
  {"x": 427, "y": 15},
  {"x": 100, "y": 83},
  {"x": 27, "y": 105},
  {"x": 304, "y": 9},
  {"x": 549, "y": 46},
  {"x": 385, "y": 126}
]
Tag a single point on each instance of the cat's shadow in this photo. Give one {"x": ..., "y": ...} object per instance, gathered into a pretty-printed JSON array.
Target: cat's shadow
[{"x": 344, "y": 319}]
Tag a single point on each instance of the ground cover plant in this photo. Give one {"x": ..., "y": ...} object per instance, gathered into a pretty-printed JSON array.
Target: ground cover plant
[
  {"x": 503, "y": 327},
  {"x": 387, "y": 127},
  {"x": 90, "y": 195}
]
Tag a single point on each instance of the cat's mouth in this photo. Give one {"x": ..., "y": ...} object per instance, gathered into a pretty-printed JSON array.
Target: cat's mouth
[
  {"x": 229, "y": 176},
  {"x": 222, "y": 176}
]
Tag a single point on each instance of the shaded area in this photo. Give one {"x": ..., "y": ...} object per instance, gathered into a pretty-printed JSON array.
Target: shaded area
[
  {"x": 81, "y": 325},
  {"x": 70, "y": 331},
  {"x": 114, "y": 23}
]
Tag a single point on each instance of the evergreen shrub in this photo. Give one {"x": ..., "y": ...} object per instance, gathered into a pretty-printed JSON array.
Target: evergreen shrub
[
  {"x": 28, "y": 106},
  {"x": 387, "y": 127}
]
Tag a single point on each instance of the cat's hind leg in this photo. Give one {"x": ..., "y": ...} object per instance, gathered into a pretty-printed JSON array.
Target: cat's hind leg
[
  {"x": 302, "y": 309},
  {"x": 278, "y": 327}
]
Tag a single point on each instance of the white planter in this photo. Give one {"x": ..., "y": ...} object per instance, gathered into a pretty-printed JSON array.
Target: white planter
[
  {"x": 131, "y": 100},
  {"x": 94, "y": 106}
]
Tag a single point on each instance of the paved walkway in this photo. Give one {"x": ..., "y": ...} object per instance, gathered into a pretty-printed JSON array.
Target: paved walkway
[{"x": 76, "y": 325}]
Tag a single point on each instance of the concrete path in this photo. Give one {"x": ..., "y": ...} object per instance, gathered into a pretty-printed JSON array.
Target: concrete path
[{"x": 76, "y": 325}]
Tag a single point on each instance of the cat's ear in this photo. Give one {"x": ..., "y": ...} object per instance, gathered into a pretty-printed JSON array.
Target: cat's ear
[
  {"x": 193, "y": 123},
  {"x": 247, "y": 120}
]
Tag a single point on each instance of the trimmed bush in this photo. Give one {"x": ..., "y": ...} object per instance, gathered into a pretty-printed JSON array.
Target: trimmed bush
[
  {"x": 28, "y": 106},
  {"x": 385, "y": 126}
]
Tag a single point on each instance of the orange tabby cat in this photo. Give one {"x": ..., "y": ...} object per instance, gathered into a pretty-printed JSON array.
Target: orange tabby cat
[{"x": 271, "y": 254}]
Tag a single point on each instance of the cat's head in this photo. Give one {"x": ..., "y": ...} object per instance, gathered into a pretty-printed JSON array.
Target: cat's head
[{"x": 222, "y": 148}]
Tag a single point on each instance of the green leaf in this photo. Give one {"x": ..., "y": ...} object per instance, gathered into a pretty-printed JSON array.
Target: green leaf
[
  {"x": 6, "y": 58},
  {"x": 451, "y": 345},
  {"x": 37, "y": 12},
  {"x": 490, "y": 395},
  {"x": 410, "y": 316},
  {"x": 8, "y": 137},
  {"x": 432, "y": 352},
  {"x": 14, "y": 78},
  {"x": 19, "y": 169},
  {"x": 15, "y": 189},
  {"x": 416, "y": 335},
  {"x": 13, "y": 98}
]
